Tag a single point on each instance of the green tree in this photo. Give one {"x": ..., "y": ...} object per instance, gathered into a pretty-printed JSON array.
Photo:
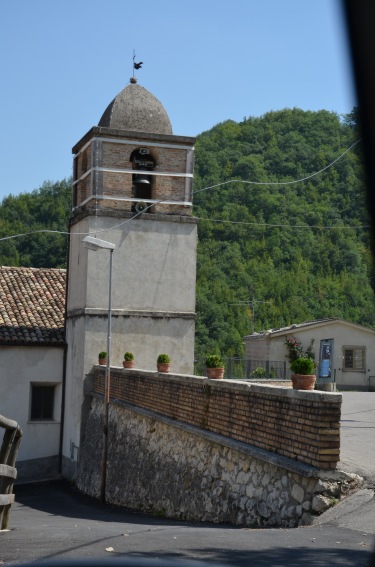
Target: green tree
[{"x": 29, "y": 214}]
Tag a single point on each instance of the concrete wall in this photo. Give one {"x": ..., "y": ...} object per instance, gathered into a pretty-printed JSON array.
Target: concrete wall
[
  {"x": 153, "y": 302},
  {"x": 162, "y": 466},
  {"x": 21, "y": 367}
]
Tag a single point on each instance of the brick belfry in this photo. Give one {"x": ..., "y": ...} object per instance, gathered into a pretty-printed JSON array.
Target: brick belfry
[{"x": 132, "y": 187}]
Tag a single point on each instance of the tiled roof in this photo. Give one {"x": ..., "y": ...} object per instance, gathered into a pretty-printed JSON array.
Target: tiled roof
[
  {"x": 32, "y": 306},
  {"x": 297, "y": 326}
]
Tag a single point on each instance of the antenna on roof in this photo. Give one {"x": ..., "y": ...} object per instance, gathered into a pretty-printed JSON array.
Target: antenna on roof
[
  {"x": 253, "y": 303},
  {"x": 135, "y": 66}
]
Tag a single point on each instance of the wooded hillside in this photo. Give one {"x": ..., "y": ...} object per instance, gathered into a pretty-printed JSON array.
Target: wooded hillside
[
  {"x": 293, "y": 252},
  {"x": 300, "y": 250}
]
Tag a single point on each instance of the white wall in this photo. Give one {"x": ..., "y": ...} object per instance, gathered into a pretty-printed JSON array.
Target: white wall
[
  {"x": 153, "y": 303},
  {"x": 344, "y": 335},
  {"x": 154, "y": 265},
  {"x": 19, "y": 368}
]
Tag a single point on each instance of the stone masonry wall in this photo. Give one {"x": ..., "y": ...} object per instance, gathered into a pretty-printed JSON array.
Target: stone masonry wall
[
  {"x": 160, "y": 466},
  {"x": 303, "y": 426}
]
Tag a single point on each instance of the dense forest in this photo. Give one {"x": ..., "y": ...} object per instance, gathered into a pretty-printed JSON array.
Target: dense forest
[
  {"x": 48, "y": 207},
  {"x": 271, "y": 251}
]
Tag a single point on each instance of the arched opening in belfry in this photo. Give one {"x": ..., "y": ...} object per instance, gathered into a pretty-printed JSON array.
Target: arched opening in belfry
[{"x": 142, "y": 183}]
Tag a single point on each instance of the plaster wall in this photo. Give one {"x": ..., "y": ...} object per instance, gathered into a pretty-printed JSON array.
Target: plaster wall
[
  {"x": 153, "y": 302},
  {"x": 344, "y": 335},
  {"x": 146, "y": 338},
  {"x": 77, "y": 269},
  {"x": 77, "y": 360},
  {"x": 154, "y": 265},
  {"x": 20, "y": 367}
]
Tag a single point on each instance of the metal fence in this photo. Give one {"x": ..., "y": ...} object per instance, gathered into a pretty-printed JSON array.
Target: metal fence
[{"x": 246, "y": 369}]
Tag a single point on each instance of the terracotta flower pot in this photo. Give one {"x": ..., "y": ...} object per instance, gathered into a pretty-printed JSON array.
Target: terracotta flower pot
[
  {"x": 164, "y": 366},
  {"x": 215, "y": 373},
  {"x": 128, "y": 363},
  {"x": 303, "y": 381},
  {"x": 103, "y": 361}
]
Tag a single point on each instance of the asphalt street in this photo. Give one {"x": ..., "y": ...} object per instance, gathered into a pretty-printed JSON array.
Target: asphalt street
[
  {"x": 358, "y": 434},
  {"x": 52, "y": 521}
]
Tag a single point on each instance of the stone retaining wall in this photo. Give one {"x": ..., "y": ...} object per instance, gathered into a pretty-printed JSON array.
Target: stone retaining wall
[
  {"x": 164, "y": 467},
  {"x": 303, "y": 426}
]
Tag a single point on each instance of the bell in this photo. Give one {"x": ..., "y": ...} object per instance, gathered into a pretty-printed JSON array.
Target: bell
[
  {"x": 142, "y": 179},
  {"x": 141, "y": 206}
]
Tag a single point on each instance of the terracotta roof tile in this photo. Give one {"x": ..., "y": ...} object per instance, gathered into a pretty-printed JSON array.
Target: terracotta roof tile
[{"x": 32, "y": 306}]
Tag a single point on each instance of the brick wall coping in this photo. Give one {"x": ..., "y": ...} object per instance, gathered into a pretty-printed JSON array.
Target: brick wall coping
[
  {"x": 241, "y": 385},
  {"x": 80, "y": 213},
  {"x": 102, "y": 131}
]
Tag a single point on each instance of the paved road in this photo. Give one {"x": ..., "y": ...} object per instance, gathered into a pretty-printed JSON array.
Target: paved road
[
  {"x": 358, "y": 434},
  {"x": 53, "y": 521}
]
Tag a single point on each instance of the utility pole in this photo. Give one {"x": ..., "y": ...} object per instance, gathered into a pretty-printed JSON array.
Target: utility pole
[{"x": 253, "y": 303}]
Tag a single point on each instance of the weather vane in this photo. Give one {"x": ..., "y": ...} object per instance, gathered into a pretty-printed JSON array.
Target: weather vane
[{"x": 135, "y": 66}]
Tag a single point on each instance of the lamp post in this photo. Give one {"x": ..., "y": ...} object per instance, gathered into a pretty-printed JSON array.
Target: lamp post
[{"x": 97, "y": 244}]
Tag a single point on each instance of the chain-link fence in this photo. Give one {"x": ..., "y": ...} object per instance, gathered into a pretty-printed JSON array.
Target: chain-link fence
[{"x": 246, "y": 369}]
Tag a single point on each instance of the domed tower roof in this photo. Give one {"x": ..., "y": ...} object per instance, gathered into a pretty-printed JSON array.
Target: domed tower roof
[{"x": 135, "y": 108}]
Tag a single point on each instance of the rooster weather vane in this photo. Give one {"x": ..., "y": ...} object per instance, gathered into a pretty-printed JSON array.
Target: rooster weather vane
[{"x": 135, "y": 66}]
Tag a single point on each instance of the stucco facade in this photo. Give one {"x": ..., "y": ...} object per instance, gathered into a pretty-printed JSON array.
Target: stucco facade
[
  {"x": 350, "y": 347},
  {"x": 27, "y": 367},
  {"x": 32, "y": 351}
]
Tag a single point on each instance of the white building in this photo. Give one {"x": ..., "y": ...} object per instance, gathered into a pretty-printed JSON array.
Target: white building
[
  {"x": 32, "y": 347},
  {"x": 344, "y": 352}
]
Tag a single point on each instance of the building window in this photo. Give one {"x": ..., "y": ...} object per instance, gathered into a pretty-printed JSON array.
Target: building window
[
  {"x": 42, "y": 402},
  {"x": 354, "y": 358}
]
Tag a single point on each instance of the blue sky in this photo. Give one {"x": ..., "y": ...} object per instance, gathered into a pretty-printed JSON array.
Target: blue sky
[{"x": 206, "y": 60}]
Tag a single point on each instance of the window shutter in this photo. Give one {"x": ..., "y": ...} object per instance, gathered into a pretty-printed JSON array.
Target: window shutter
[
  {"x": 359, "y": 359},
  {"x": 348, "y": 358}
]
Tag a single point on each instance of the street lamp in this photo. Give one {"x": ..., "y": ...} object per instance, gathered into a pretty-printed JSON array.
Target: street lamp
[{"x": 97, "y": 244}]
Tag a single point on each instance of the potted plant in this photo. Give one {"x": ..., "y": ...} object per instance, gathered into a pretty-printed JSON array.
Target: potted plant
[
  {"x": 102, "y": 358},
  {"x": 128, "y": 361},
  {"x": 303, "y": 377},
  {"x": 163, "y": 363},
  {"x": 215, "y": 366}
]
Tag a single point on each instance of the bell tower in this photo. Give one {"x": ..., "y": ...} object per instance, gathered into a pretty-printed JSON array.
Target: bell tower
[{"x": 132, "y": 187}]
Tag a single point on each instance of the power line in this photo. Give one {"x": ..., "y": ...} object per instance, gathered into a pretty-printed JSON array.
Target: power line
[
  {"x": 270, "y": 225},
  {"x": 277, "y": 183},
  {"x": 281, "y": 182}
]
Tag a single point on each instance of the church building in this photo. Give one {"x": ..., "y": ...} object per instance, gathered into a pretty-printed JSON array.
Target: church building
[{"x": 133, "y": 184}]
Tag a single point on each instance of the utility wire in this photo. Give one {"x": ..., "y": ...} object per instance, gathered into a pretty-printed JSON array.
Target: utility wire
[
  {"x": 362, "y": 227},
  {"x": 277, "y": 183},
  {"x": 281, "y": 182}
]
